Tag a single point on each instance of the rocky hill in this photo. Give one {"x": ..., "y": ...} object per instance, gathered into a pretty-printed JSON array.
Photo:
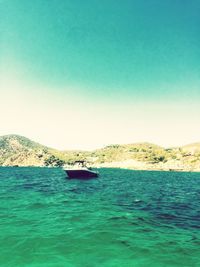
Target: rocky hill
[
  {"x": 192, "y": 148},
  {"x": 18, "y": 150},
  {"x": 21, "y": 151},
  {"x": 146, "y": 156}
]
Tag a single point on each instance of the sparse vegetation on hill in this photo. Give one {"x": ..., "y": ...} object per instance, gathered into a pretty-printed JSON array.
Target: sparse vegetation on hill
[{"x": 21, "y": 151}]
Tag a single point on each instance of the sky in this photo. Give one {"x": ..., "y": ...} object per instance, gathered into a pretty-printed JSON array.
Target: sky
[{"x": 84, "y": 74}]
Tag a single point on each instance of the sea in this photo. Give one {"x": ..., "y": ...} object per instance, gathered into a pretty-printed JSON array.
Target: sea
[{"x": 123, "y": 218}]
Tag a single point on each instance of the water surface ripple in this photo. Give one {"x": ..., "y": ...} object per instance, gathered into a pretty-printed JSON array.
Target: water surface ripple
[{"x": 124, "y": 218}]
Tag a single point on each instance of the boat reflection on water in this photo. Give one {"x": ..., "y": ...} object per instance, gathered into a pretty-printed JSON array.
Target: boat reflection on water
[{"x": 79, "y": 170}]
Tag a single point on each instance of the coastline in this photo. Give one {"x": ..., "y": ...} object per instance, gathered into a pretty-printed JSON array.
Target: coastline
[
  {"x": 143, "y": 166},
  {"x": 20, "y": 151}
]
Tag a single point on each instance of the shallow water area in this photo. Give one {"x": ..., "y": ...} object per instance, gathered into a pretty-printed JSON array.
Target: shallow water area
[{"x": 123, "y": 218}]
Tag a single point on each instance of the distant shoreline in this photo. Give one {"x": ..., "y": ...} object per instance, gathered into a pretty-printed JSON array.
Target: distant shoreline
[
  {"x": 142, "y": 166},
  {"x": 17, "y": 150}
]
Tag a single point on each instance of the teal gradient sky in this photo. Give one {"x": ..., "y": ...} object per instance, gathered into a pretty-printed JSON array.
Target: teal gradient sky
[{"x": 83, "y": 74}]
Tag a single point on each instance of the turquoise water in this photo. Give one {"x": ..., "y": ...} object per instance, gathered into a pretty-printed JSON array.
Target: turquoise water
[{"x": 124, "y": 218}]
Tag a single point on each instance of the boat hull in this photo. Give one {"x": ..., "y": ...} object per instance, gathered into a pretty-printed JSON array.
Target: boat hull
[{"x": 81, "y": 174}]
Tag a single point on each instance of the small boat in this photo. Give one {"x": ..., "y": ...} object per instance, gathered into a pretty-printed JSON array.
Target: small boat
[{"x": 79, "y": 170}]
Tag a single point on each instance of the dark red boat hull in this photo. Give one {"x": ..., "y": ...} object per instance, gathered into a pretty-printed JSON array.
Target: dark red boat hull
[{"x": 81, "y": 174}]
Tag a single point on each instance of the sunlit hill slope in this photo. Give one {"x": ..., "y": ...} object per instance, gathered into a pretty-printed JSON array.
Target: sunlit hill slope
[{"x": 17, "y": 150}]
